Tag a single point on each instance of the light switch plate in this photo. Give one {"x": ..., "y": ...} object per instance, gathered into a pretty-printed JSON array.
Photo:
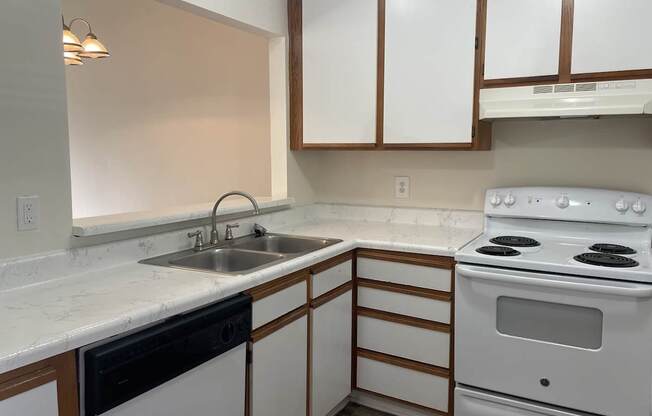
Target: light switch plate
[
  {"x": 28, "y": 211},
  {"x": 402, "y": 187}
]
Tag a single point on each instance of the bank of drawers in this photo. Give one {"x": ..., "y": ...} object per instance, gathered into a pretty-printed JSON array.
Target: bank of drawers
[{"x": 404, "y": 311}]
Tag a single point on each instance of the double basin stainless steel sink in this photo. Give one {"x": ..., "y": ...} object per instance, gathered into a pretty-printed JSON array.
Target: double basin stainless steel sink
[{"x": 243, "y": 255}]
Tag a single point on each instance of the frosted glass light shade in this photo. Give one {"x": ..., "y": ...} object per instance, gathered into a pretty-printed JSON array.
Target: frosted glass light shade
[
  {"x": 71, "y": 58},
  {"x": 93, "y": 48},
  {"x": 71, "y": 42}
]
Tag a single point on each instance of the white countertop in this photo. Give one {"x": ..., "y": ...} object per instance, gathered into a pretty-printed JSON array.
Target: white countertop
[{"x": 50, "y": 318}]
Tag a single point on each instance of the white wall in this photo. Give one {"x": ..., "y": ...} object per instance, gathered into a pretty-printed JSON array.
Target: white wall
[
  {"x": 178, "y": 115},
  {"x": 33, "y": 127},
  {"x": 610, "y": 153}
]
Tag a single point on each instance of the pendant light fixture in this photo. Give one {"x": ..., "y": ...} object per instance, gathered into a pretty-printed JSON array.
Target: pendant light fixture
[{"x": 74, "y": 50}]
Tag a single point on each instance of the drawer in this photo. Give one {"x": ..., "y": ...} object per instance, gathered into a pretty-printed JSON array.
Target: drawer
[
  {"x": 279, "y": 303},
  {"x": 416, "y": 306},
  {"x": 405, "y": 273},
  {"x": 331, "y": 278},
  {"x": 406, "y": 341},
  {"x": 412, "y": 386}
]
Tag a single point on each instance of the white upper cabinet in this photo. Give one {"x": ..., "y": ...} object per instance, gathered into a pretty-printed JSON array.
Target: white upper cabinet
[
  {"x": 611, "y": 35},
  {"x": 339, "y": 71},
  {"x": 429, "y": 71},
  {"x": 523, "y": 38}
]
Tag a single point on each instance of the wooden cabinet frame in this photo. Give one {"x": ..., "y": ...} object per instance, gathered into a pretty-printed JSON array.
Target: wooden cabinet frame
[
  {"x": 564, "y": 75},
  {"x": 61, "y": 368},
  {"x": 481, "y": 130},
  {"x": 440, "y": 262}
]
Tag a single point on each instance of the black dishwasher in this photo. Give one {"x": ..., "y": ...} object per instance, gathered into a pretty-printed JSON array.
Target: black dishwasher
[{"x": 118, "y": 371}]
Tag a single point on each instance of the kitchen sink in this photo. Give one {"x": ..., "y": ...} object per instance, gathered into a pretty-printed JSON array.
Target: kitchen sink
[
  {"x": 226, "y": 260},
  {"x": 243, "y": 255},
  {"x": 283, "y": 244}
]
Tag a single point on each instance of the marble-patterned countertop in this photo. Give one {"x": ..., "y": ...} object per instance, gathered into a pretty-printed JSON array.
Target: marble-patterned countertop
[{"x": 49, "y": 318}]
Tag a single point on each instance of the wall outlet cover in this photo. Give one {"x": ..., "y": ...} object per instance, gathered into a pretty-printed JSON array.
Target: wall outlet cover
[
  {"x": 402, "y": 187},
  {"x": 28, "y": 212}
]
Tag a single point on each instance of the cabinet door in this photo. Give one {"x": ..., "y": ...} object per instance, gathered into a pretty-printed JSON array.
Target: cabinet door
[
  {"x": 331, "y": 353},
  {"x": 339, "y": 71},
  {"x": 611, "y": 35},
  {"x": 429, "y": 71},
  {"x": 522, "y": 39},
  {"x": 39, "y": 401},
  {"x": 279, "y": 371}
]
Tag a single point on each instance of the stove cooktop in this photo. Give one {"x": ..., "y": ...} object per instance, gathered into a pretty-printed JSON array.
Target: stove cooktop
[
  {"x": 515, "y": 241},
  {"x": 612, "y": 249},
  {"x": 498, "y": 251},
  {"x": 606, "y": 260}
]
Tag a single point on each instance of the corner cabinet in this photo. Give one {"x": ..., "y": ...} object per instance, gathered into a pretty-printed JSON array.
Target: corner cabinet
[
  {"x": 46, "y": 388},
  {"x": 385, "y": 74},
  {"x": 531, "y": 42}
]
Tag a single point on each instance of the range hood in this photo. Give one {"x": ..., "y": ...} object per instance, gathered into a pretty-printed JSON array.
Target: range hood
[{"x": 586, "y": 99}]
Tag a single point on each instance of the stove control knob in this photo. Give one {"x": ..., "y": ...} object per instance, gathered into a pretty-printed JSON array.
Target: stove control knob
[
  {"x": 510, "y": 200},
  {"x": 622, "y": 205},
  {"x": 562, "y": 202},
  {"x": 495, "y": 200},
  {"x": 639, "y": 206}
]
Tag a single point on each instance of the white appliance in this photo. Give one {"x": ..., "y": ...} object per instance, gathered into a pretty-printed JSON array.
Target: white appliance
[
  {"x": 554, "y": 305},
  {"x": 585, "y": 99},
  {"x": 190, "y": 364}
]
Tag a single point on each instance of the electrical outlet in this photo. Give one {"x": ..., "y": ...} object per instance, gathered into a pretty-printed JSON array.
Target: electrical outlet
[
  {"x": 402, "y": 187},
  {"x": 28, "y": 213}
]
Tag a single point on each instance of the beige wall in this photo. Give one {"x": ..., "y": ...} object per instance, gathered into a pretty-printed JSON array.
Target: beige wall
[
  {"x": 33, "y": 126},
  {"x": 179, "y": 113},
  {"x": 610, "y": 153}
]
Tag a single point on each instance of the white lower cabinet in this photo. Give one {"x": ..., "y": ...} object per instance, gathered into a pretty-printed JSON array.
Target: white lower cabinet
[
  {"x": 39, "y": 401},
  {"x": 413, "y": 386},
  {"x": 406, "y": 341},
  {"x": 279, "y": 372},
  {"x": 331, "y": 353}
]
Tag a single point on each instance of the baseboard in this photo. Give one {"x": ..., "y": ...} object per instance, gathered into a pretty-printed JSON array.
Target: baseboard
[
  {"x": 339, "y": 407},
  {"x": 386, "y": 405}
]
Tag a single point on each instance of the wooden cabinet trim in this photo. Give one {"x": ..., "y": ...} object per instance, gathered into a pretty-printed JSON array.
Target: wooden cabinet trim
[
  {"x": 278, "y": 323},
  {"x": 380, "y": 76},
  {"x": 267, "y": 289},
  {"x": 405, "y": 289},
  {"x": 403, "y": 319},
  {"x": 403, "y": 362},
  {"x": 331, "y": 294},
  {"x": 566, "y": 40},
  {"x": 27, "y": 382},
  {"x": 295, "y": 33},
  {"x": 439, "y": 262},
  {"x": 612, "y": 76},
  {"x": 423, "y": 408},
  {"x": 330, "y": 263},
  {"x": 62, "y": 368}
]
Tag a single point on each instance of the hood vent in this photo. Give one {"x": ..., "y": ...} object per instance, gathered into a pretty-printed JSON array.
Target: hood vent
[{"x": 587, "y": 99}]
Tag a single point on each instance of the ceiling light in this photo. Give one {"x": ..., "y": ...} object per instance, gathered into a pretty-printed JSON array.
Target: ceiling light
[
  {"x": 93, "y": 48},
  {"x": 74, "y": 50},
  {"x": 72, "y": 58}
]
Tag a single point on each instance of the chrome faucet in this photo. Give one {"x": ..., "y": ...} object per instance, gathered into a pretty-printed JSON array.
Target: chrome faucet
[{"x": 214, "y": 235}]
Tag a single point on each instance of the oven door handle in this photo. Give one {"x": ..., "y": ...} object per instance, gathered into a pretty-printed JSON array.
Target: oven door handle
[{"x": 632, "y": 290}]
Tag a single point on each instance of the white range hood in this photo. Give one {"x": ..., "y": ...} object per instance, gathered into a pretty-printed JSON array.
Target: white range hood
[{"x": 586, "y": 99}]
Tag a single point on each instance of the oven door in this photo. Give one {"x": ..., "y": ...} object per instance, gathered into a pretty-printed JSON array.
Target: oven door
[{"x": 575, "y": 342}]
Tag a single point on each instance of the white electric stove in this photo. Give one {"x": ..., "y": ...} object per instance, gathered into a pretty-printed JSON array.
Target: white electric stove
[{"x": 554, "y": 305}]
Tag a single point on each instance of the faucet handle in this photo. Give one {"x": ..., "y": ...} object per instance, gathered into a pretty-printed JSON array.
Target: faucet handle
[
  {"x": 229, "y": 231},
  {"x": 199, "y": 239},
  {"x": 259, "y": 230}
]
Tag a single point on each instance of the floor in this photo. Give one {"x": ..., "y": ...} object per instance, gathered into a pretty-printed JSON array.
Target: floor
[{"x": 353, "y": 409}]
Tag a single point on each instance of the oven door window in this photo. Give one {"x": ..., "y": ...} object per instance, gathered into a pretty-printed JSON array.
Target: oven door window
[{"x": 575, "y": 326}]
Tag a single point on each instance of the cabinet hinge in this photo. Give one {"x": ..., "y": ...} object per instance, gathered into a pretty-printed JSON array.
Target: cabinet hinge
[
  {"x": 477, "y": 43},
  {"x": 473, "y": 132},
  {"x": 249, "y": 359}
]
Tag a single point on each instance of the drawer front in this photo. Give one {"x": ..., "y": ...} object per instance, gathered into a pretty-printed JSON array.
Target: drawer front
[
  {"x": 418, "y": 344},
  {"x": 401, "y": 383},
  {"x": 416, "y": 306},
  {"x": 406, "y": 274},
  {"x": 278, "y": 304},
  {"x": 331, "y": 278}
]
